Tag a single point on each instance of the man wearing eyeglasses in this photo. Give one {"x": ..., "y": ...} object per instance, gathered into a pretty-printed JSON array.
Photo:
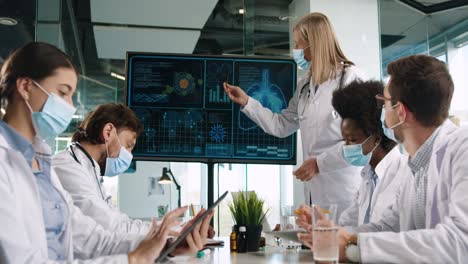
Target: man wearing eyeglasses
[{"x": 427, "y": 222}]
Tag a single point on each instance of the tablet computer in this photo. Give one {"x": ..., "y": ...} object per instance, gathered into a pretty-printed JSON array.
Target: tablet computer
[
  {"x": 187, "y": 231},
  {"x": 290, "y": 235}
]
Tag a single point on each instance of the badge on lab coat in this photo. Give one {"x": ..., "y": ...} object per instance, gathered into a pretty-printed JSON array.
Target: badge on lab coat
[{"x": 334, "y": 114}]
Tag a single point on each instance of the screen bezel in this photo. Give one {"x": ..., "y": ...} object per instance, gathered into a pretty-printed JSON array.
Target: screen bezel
[{"x": 210, "y": 160}]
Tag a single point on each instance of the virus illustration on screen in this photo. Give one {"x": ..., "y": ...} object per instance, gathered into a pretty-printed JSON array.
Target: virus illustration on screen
[
  {"x": 184, "y": 83},
  {"x": 217, "y": 133}
]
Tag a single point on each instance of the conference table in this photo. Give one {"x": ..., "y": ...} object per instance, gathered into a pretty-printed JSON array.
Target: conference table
[{"x": 270, "y": 254}]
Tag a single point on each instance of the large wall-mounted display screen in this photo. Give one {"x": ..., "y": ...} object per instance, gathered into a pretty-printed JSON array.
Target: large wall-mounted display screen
[{"x": 187, "y": 116}]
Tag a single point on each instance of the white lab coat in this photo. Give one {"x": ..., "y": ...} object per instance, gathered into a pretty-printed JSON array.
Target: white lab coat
[
  {"x": 80, "y": 180},
  {"x": 337, "y": 181},
  {"x": 22, "y": 231},
  {"x": 384, "y": 194},
  {"x": 445, "y": 239}
]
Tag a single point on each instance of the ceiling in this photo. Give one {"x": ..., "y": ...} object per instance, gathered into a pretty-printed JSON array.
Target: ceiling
[
  {"x": 108, "y": 28},
  {"x": 398, "y": 20},
  {"x": 24, "y": 11},
  {"x": 97, "y": 33},
  {"x": 434, "y": 6},
  {"x": 402, "y": 27}
]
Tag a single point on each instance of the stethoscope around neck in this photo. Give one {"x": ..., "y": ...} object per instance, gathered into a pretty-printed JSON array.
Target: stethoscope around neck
[
  {"x": 99, "y": 182},
  {"x": 301, "y": 116},
  {"x": 306, "y": 85}
]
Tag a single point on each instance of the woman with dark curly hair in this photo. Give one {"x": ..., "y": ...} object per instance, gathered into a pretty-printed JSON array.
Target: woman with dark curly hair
[{"x": 367, "y": 146}]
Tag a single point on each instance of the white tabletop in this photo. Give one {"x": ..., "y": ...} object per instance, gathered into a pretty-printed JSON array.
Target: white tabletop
[{"x": 271, "y": 255}]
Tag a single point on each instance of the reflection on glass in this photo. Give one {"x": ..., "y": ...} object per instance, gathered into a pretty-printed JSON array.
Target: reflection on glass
[{"x": 443, "y": 35}]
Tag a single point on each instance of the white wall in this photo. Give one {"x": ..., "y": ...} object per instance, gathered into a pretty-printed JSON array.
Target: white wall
[
  {"x": 356, "y": 24},
  {"x": 297, "y": 9},
  {"x": 133, "y": 191}
]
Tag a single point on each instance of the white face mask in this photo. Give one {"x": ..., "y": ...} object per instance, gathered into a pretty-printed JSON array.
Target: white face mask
[
  {"x": 388, "y": 131},
  {"x": 354, "y": 155},
  {"x": 298, "y": 55},
  {"x": 118, "y": 165},
  {"x": 54, "y": 118}
]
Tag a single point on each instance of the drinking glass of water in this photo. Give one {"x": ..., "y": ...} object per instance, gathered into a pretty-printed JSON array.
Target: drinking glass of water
[
  {"x": 325, "y": 233},
  {"x": 288, "y": 218},
  {"x": 288, "y": 223}
]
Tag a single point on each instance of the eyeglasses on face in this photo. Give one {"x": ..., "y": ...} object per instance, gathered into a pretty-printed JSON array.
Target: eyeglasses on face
[{"x": 380, "y": 99}]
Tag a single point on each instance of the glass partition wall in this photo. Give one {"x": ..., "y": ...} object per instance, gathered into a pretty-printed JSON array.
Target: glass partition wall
[{"x": 406, "y": 31}]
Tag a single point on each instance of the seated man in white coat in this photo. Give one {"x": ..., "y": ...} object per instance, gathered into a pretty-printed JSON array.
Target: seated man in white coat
[
  {"x": 101, "y": 146},
  {"x": 427, "y": 221}
]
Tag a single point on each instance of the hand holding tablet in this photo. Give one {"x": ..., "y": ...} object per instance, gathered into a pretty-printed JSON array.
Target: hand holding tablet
[{"x": 193, "y": 236}]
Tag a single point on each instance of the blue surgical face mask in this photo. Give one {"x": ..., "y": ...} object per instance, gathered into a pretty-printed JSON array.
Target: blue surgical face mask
[
  {"x": 118, "y": 165},
  {"x": 298, "y": 55},
  {"x": 388, "y": 131},
  {"x": 54, "y": 118},
  {"x": 353, "y": 154}
]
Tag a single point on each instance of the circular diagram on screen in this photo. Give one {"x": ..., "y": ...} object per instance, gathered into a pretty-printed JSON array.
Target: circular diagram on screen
[{"x": 184, "y": 83}]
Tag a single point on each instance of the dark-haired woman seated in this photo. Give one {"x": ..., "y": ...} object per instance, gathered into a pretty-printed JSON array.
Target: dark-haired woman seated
[{"x": 366, "y": 146}]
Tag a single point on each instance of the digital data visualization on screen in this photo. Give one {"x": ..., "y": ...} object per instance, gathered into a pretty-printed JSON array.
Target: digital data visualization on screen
[{"x": 187, "y": 116}]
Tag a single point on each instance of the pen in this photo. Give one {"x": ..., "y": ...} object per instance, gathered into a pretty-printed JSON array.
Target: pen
[
  {"x": 203, "y": 252},
  {"x": 310, "y": 199},
  {"x": 192, "y": 210}
]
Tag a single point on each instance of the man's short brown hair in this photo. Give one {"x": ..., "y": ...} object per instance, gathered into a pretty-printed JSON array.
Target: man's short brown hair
[
  {"x": 119, "y": 115},
  {"x": 424, "y": 85}
]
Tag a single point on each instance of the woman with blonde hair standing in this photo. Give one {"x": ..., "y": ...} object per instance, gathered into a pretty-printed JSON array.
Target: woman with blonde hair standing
[{"x": 327, "y": 178}]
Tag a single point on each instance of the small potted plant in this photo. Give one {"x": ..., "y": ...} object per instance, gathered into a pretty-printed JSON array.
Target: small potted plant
[{"x": 248, "y": 210}]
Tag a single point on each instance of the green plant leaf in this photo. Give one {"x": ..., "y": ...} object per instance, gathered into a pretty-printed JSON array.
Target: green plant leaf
[{"x": 247, "y": 209}]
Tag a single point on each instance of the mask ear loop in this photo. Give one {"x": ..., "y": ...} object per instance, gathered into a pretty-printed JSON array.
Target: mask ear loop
[
  {"x": 367, "y": 139},
  {"x": 28, "y": 105},
  {"x": 118, "y": 139},
  {"x": 40, "y": 87},
  {"x": 26, "y": 101},
  {"x": 376, "y": 145},
  {"x": 107, "y": 148},
  {"x": 399, "y": 123}
]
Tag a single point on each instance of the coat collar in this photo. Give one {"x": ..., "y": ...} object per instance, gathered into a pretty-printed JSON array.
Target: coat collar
[
  {"x": 84, "y": 159},
  {"x": 11, "y": 139},
  {"x": 386, "y": 162},
  {"x": 446, "y": 129}
]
